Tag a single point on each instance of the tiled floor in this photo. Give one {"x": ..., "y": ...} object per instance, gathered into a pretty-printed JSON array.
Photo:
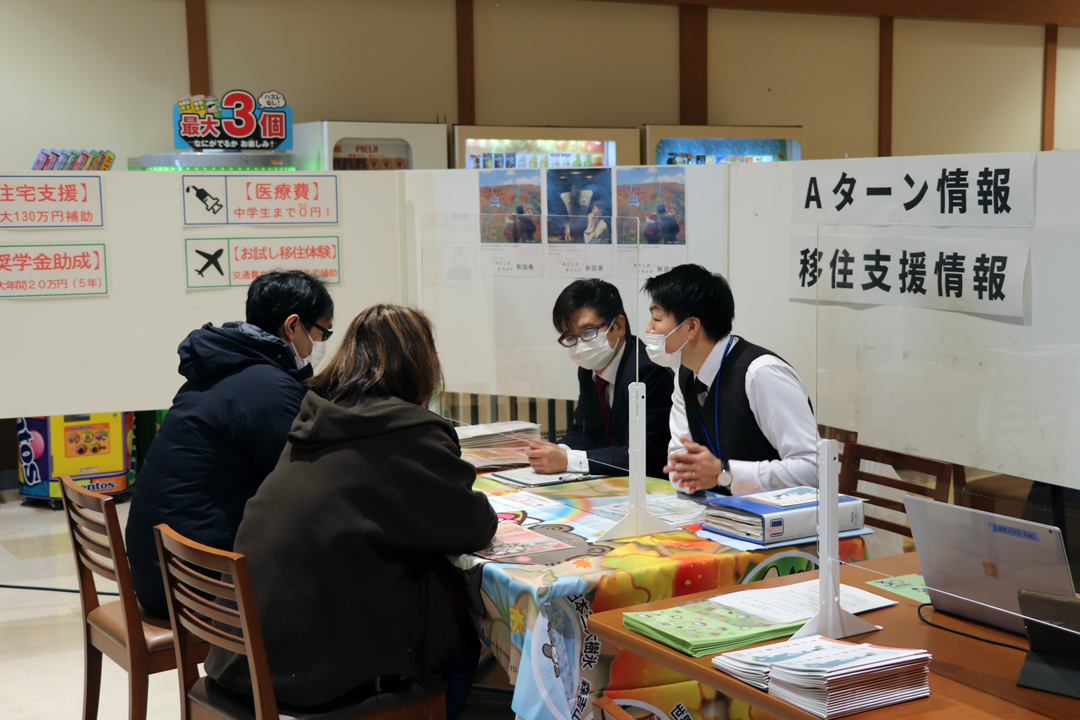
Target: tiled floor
[{"x": 41, "y": 651}]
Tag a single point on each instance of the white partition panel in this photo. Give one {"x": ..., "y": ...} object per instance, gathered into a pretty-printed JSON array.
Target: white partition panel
[{"x": 118, "y": 352}]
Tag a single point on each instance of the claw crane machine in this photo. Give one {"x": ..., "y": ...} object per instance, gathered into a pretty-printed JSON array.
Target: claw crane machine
[{"x": 719, "y": 145}]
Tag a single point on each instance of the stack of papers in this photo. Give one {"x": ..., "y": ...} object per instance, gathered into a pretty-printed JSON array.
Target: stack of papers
[
  {"x": 706, "y": 628},
  {"x": 495, "y": 458},
  {"x": 499, "y": 434},
  {"x": 497, "y": 445},
  {"x": 844, "y": 679},
  {"x": 742, "y": 618},
  {"x": 752, "y": 666},
  {"x": 776, "y": 515}
]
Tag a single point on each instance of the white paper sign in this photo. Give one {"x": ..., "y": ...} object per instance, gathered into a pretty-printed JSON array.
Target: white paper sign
[
  {"x": 574, "y": 260},
  {"x": 976, "y": 276},
  {"x": 227, "y": 262},
  {"x": 513, "y": 260},
  {"x": 53, "y": 270},
  {"x": 262, "y": 199},
  {"x": 983, "y": 190},
  {"x": 50, "y": 201}
]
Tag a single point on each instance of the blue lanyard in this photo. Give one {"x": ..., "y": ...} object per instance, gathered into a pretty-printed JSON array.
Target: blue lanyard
[{"x": 716, "y": 408}]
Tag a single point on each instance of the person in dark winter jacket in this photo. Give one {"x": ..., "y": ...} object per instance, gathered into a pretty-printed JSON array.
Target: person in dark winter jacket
[
  {"x": 347, "y": 538},
  {"x": 228, "y": 422},
  {"x": 669, "y": 226}
]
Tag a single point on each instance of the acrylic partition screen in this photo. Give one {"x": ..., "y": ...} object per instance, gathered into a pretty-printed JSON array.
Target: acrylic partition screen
[{"x": 491, "y": 250}]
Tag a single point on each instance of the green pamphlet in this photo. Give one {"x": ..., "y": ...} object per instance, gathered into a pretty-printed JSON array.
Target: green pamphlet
[
  {"x": 706, "y": 628},
  {"x": 910, "y": 586}
]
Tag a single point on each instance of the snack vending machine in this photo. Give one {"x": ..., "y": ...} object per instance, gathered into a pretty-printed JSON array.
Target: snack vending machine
[
  {"x": 719, "y": 145},
  {"x": 331, "y": 145},
  {"x": 491, "y": 147},
  {"x": 96, "y": 450}
]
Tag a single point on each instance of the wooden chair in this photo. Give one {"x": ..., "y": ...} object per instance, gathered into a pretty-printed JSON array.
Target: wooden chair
[
  {"x": 191, "y": 573},
  {"x": 605, "y": 708},
  {"x": 851, "y": 473},
  {"x": 136, "y": 642},
  {"x": 847, "y": 437}
]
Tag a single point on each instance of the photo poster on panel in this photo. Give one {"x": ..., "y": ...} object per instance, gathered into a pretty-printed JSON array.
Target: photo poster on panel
[
  {"x": 651, "y": 209},
  {"x": 579, "y": 226},
  {"x": 510, "y": 220}
]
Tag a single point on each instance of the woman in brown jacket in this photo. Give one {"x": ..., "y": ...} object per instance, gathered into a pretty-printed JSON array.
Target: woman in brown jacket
[{"x": 347, "y": 538}]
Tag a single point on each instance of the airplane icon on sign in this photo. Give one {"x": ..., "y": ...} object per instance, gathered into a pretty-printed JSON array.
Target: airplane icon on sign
[{"x": 211, "y": 259}]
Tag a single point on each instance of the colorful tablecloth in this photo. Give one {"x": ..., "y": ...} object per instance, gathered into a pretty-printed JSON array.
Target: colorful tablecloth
[{"x": 535, "y": 609}]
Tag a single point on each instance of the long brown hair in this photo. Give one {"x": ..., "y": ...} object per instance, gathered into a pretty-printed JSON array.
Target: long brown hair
[{"x": 388, "y": 351}]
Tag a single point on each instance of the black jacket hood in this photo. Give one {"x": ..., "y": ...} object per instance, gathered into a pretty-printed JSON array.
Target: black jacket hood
[{"x": 212, "y": 352}]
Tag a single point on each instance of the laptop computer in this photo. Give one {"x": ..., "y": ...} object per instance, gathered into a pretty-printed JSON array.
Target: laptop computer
[
  {"x": 1053, "y": 662},
  {"x": 975, "y": 562}
]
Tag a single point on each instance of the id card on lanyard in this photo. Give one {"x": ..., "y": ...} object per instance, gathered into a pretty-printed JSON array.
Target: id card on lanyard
[{"x": 716, "y": 409}]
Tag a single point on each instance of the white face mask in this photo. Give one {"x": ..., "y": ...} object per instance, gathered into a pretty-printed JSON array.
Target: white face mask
[
  {"x": 594, "y": 354},
  {"x": 656, "y": 347},
  {"x": 318, "y": 350}
]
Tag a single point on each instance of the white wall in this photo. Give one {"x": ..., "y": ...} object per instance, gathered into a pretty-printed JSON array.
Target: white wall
[
  {"x": 575, "y": 63},
  {"x": 818, "y": 71},
  {"x": 966, "y": 87},
  {"x": 90, "y": 75}
]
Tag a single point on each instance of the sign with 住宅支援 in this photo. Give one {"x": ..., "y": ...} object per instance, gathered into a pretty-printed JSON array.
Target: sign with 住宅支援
[
  {"x": 50, "y": 201},
  {"x": 995, "y": 190},
  {"x": 962, "y": 275},
  {"x": 264, "y": 199},
  {"x": 53, "y": 270},
  {"x": 229, "y": 262},
  {"x": 235, "y": 121}
]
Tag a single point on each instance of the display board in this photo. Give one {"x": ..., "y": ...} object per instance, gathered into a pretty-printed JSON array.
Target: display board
[
  {"x": 490, "y": 287},
  {"x": 116, "y": 351}
]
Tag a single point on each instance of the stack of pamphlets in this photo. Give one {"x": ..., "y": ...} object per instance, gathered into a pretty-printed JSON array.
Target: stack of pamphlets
[
  {"x": 497, "y": 445},
  {"x": 706, "y": 628},
  {"x": 495, "y": 458},
  {"x": 776, "y": 516},
  {"x": 845, "y": 679},
  {"x": 742, "y": 618},
  {"x": 499, "y": 434},
  {"x": 830, "y": 678}
]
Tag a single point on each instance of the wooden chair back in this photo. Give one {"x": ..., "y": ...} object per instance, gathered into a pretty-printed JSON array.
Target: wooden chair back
[
  {"x": 851, "y": 473},
  {"x": 98, "y": 544},
  {"x": 207, "y": 588},
  {"x": 847, "y": 437},
  {"x": 605, "y": 708}
]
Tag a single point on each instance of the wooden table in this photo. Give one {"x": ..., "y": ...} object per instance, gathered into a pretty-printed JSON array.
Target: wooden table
[{"x": 968, "y": 678}]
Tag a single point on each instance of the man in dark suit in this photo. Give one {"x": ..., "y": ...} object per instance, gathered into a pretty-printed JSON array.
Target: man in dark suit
[{"x": 592, "y": 324}]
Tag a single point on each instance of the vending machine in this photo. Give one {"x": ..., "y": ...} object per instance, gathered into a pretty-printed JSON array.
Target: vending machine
[
  {"x": 332, "y": 145},
  {"x": 96, "y": 450},
  {"x": 495, "y": 147},
  {"x": 719, "y": 145}
]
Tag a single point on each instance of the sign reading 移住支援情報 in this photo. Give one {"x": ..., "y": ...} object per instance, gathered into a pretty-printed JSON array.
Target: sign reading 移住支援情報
[{"x": 235, "y": 121}]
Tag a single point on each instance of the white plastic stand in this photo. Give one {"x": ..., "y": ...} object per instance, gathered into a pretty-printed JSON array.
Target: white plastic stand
[
  {"x": 831, "y": 620},
  {"x": 639, "y": 521}
]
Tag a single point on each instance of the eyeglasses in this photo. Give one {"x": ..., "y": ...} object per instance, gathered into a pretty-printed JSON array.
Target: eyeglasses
[
  {"x": 325, "y": 333},
  {"x": 584, "y": 336}
]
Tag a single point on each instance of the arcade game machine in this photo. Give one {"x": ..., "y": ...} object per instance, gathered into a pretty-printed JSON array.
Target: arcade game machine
[{"x": 96, "y": 450}]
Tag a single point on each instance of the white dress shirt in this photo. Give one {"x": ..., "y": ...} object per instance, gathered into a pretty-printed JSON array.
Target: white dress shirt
[
  {"x": 780, "y": 405},
  {"x": 578, "y": 460}
]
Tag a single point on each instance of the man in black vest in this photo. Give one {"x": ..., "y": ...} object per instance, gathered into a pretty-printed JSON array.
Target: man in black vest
[
  {"x": 741, "y": 420},
  {"x": 591, "y": 322}
]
